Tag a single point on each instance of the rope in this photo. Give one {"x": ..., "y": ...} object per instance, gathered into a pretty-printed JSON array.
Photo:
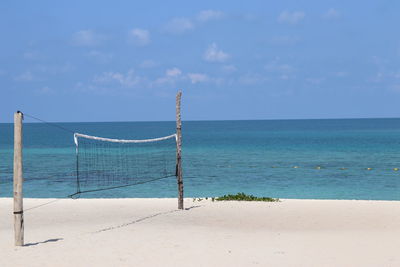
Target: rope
[
  {"x": 115, "y": 187},
  {"x": 49, "y": 123},
  {"x": 41, "y": 205},
  {"x": 77, "y": 195}
]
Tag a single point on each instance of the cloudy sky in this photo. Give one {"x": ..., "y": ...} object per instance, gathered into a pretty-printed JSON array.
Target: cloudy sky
[{"x": 125, "y": 60}]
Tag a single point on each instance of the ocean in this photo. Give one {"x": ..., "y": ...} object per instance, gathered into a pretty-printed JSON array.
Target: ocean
[{"x": 304, "y": 159}]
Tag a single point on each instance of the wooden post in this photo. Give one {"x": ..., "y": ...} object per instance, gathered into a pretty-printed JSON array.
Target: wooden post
[
  {"x": 18, "y": 180},
  {"x": 179, "y": 150}
]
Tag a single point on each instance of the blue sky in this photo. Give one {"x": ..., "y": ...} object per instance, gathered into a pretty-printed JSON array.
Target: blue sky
[{"x": 125, "y": 60}]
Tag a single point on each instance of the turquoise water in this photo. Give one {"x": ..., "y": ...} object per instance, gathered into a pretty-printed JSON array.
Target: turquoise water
[{"x": 221, "y": 157}]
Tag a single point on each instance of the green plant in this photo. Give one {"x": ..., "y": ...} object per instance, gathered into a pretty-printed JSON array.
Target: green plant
[{"x": 243, "y": 197}]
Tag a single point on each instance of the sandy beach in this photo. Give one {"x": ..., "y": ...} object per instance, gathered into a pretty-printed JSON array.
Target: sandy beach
[{"x": 152, "y": 232}]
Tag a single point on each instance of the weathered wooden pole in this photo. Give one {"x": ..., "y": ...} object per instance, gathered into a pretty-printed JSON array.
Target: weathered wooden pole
[
  {"x": 179, "y": 150},
  {"x": 18, "y": 180}
]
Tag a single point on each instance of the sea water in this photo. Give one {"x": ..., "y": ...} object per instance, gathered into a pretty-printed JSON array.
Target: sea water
[{"x": 306, "y": 159}]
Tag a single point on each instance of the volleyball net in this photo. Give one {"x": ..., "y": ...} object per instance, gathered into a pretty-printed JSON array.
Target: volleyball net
[{"x": 106, "y": 163}]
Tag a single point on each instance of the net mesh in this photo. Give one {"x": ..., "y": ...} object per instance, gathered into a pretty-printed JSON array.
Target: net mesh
[{"x": 104, "y": 163}]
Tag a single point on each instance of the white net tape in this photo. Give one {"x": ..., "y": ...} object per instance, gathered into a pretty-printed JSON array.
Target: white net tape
[{"x": 77, "y": 135}]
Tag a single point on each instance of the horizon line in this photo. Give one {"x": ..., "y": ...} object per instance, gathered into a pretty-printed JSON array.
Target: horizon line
[{"x": 204, "y": 120}]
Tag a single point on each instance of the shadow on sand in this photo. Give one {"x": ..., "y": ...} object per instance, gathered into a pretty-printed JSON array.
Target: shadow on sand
[
  {"x": 144, "y": 218},
  {"x": 44, "y": 242}
]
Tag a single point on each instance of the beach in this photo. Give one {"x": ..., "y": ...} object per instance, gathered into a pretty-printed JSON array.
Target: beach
[{"x": 153, "y": 232}]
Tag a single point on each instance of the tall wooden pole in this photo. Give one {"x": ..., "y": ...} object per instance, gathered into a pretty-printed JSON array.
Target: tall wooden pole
[
  {"x": 179, "y": 150},
  {"x": 18, "y": 180}
]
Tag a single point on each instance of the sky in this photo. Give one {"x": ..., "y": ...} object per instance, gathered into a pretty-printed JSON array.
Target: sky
[{"x": 233, "y": 60}]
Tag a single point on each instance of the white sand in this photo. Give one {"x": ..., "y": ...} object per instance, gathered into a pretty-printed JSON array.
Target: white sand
[{"x": 151, "y": 232}]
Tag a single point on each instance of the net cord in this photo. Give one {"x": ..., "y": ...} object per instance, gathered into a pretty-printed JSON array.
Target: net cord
[
  {"x": 119, "y": 186},
  {"x": 77, "y": 135}
]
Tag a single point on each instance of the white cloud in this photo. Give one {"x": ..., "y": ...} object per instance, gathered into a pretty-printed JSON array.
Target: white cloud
[
  {"x": 275, "y": 66},
  {"x": 139, "y": 37},
  {"x": 340, "y": 74},
  {"x": 45, "y": 90},
  {"x": 87, "y": 38},
  {"x": 54, "y": 69},
  {"x": 395, "y": 88},
  {"x": 252, "y": 79},
  {"x": 179, "y": 25},
  {"x": 147, "y": 64},
  {"x": 129, "y": 79},
  {"x": 379, "y": 62},
  {"x": 282, "y": 71},
  {"x": 207, "y": 15},
  {"x": 331, "y": 14},
  {"x": 182, "y": 25},
  {"x": 171, "y": 76},
  {"x": 213, "y": 54},
  {"x": 385, "y": 75},
  {"x": 197, "y": 77},
  {"x": 100, "y": 56},
  {"x": 377, "y": 78},
  {"x": 229, "y": 68},
  {"x": 174, "y": 72},
  {"x": 291, "y": 17},
  {"x": 27, "y": 76},
  {"x": 315, "y": 81}
]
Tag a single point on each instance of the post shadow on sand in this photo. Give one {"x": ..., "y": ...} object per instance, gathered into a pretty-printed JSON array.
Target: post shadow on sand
[
  {"x": 44, "y": 242},
  {"x": 144, "y": 218}
]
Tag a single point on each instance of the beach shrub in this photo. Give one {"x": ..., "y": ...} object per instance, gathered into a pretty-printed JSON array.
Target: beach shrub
[{"x": 243, "y": 197}]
